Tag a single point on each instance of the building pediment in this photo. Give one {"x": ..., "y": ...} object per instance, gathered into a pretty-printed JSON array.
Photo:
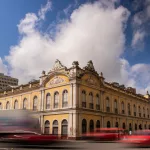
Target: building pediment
[
  {"x": 56, "y": 80},
  {"x": 90, "y": 80}
]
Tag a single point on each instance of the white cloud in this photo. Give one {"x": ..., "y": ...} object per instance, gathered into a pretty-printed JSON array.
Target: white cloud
[
  {"x": 141, "y": 22},
  {"x": 3, "y": 67},
  {"x": 28, "y": 24},
  {"x": 44, "y": 9},
  {"x": 138, "y": 39},
  {"x": 94, "y": 32}
]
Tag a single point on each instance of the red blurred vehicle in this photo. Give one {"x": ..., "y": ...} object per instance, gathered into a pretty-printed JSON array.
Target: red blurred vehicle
[
  {"x": 21, "y": 127},
  {"x": 104, "y": 134},
  {"x": 137, "y": 138},
  {"x": 29, "y": 138}
]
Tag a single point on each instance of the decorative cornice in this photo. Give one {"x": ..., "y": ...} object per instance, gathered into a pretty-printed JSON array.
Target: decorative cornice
[{"x": 125, "y": 91}]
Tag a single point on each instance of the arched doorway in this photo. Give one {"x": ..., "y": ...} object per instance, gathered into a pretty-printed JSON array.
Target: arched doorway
[
  {"x": 64, "y": 127},
  {"x": 135, "y": 126},
  {"x": 55, "y": 127},
  {"x": 123, "y": 125},
  {"x": 84, "y": 126},
  {"x": 98, "y": 124},
  {"x": 108, "y": 124},
  {"x": 130, "y": 127},
  {"x": 91, "y": 125},
  {"x": 145, "y": 126},
  {"x": 47, "y": 127},
  {"x": 116, "y": 125},
  {"x": 140, "y": 127}
]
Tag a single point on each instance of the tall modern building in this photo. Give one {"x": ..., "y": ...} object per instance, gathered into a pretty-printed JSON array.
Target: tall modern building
[
  {"x": 75, "y": 100},
  {"x": 5, "y": 81}
]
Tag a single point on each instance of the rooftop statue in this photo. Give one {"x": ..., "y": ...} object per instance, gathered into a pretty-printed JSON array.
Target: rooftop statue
[
  {"x": 90, "y": 66},
  {"x": 58, "y": 65}
]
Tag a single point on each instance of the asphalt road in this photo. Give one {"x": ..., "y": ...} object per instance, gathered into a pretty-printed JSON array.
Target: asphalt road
[{"x": 81, "y": 145}]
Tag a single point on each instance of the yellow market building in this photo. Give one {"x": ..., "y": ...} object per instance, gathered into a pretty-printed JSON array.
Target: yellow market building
[{"x": 72, "y": 101}]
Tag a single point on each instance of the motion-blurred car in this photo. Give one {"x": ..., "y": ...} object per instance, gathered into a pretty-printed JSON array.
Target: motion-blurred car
[
  {"x": 21, "y": 127},
  {"x": 29, "y": 138},
  {"x": 104, "y": 134},
  {"x": 138, "y": 138}
]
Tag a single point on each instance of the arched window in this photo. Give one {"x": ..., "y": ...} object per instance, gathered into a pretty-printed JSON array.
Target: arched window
[
  {"x": 1, "y": 106},
  {"x": 84, "y": 99},
  {"x": 107, "y": 104},
  {"x": 91, "y": 125},
  {"x": 65, "y": 99},
  {"x": 48, "y": 100},
  {"x": 55, "y": 127},
  {"x": 97, "y": 102},
  {"x": 47, "y": 127},
  {"x": 16, "y": 104},
  {"x": 35, "y": 103},
  {"x": 147, "y": 113},
  {"x": 117, "y": 125},
  {"x": 124, "y": 126},
  {"x": 134, "y": 109},
  {"x": 56, "y": 100},
  {"x": 25, "y": 103},
  {"x": 108, "y": 124},
  {"x": 115, "y": 106},
  {"x": 122, "y": 107},
  {"x": 143, "y": 112},
  {"x": 139, "y": 111},
  {"x": 84, "y": 126},
  {"x": 130, "y": 127},
  {"x": 135, "y": 126},
  {"x": 115, "y": 103},
  {"x": 97, "y": 124},
  {"x": 91, "y": 100},
  {"x": 129, "y": 112},
  {"x": 64, "y": 127},
  {"x": 8, "y": 105}
]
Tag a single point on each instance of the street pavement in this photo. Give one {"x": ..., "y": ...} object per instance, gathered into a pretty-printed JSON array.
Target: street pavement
[{"x": 81, "y": 145}]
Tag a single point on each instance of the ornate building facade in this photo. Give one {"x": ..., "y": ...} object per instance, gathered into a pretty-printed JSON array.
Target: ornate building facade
[{"x": 72, "y": 101}]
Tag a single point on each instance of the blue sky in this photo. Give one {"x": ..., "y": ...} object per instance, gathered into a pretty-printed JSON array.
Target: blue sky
[
  {"x": 59, "y": 25},
  {"x": 12, "y": 12}
]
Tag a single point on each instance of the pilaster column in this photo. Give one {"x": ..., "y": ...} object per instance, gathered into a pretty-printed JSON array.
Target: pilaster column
[
  {"x": 102, "y": 122},
  {"x": 75, "y": 95},
  {"x": 111, "y": 104},
  {"x": 126, "y": 108},
  {"x": 11, "y": 105},
  {"x": 42, "y": 123},
  {"x": 30, "y": 106},
  {"x": 71, "y": 95},
  {"x": 42, "y": 100},
  {"x": 70, "y": 125},
  {"x": 79, "y": 96},
  {"x": 119, "y": 105},
  {"x": 21, "y": 102},
  {"x": 102, "y": 101}
]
